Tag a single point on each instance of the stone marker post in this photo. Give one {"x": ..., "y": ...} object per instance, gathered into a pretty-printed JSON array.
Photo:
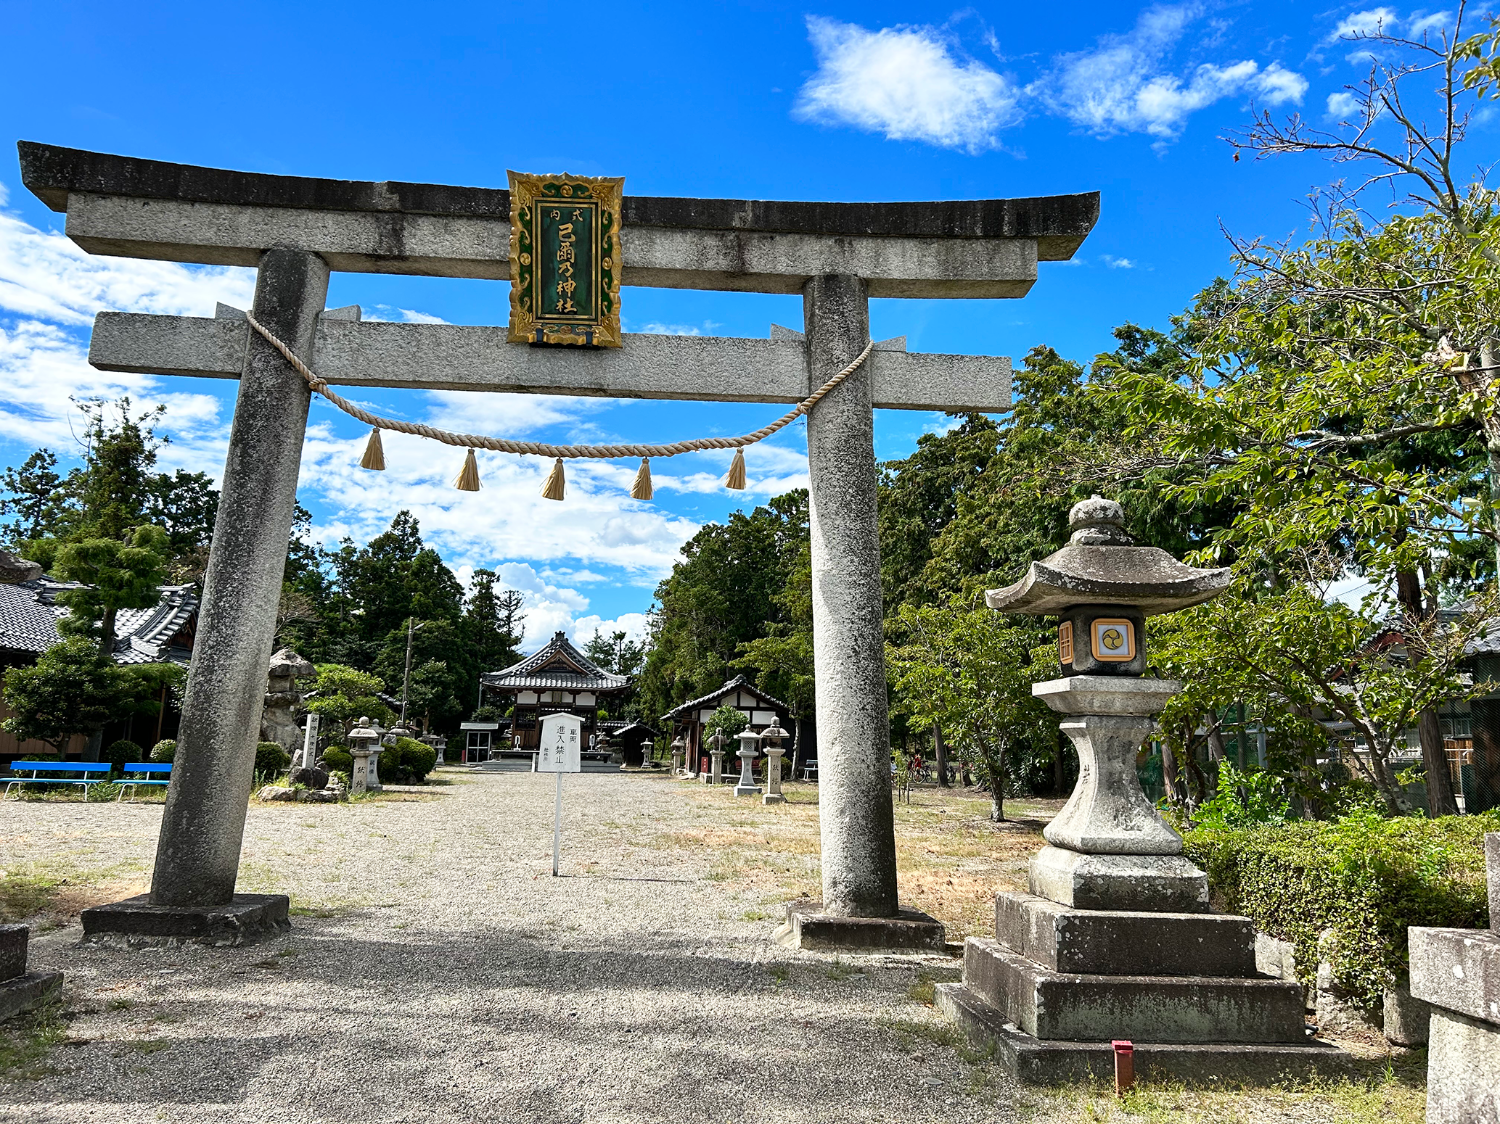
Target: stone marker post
[
  {"x": 310, "y": 740},
  {"x": 854, "y": 805},
  {"x": 203, "y": 826},
  {"x": 771, "y": 738}
]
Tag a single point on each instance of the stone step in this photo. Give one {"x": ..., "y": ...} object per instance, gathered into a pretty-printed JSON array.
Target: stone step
[
  {"x": 1121, "y": 943},
  {"x": 1034, "y": 1062},
  {"x": 1202, "y": 1009}
]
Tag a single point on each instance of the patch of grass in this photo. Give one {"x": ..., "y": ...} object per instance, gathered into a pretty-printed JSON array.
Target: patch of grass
[
  {"x": 781, "y": 973},
  {"x": 120, "y": 1004},
  {"x": 323, "y": 911},
  {"x": 923, "y": 990},
  {"x": 149, "y": 1046},
  {"x": 838, "y": 970},
  {"x": 754, "y": 915},
  {"x": 26, "y": 1040},
  {"x": 23, "y": 895},
  {"x": 1379, "y": 1092}
]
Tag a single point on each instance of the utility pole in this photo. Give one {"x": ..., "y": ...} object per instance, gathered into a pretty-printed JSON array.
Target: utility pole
[{"x": 406, "y": 677}]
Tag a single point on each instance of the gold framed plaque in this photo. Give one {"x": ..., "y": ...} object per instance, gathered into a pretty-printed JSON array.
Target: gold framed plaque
[
  {"x": 565, "y": 260},
  {"x": 1113, "y": 639}
]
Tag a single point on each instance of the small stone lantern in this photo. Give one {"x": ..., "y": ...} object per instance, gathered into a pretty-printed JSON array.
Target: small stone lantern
[
  {"x": 439, "y": 744},
  {"x": 364, "y": 747},
  {"x": 748, "y": 752},
  {"x": 771, "y": 737},
  {"x": 679, "y": 754},
  {"x": 716, "y": 746}
]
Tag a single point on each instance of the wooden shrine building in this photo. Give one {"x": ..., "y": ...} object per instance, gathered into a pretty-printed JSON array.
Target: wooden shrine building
[
  {"x": 557, "y": 679},
  {"x": 760, "y": 708}
]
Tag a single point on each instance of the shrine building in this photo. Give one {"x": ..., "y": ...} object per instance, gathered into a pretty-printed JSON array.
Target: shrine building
[
  {"x": 759, "y": 708},
  {"x": 556, "y": 679}
]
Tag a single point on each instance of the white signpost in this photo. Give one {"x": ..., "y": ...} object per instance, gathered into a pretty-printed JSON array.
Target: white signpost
[
  {"x": 559, "y": 751},
  {"x": 310, "y": 741}
]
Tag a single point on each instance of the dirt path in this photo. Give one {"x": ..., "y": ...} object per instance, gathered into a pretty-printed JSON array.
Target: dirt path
[{"x": 437, "y": 972}]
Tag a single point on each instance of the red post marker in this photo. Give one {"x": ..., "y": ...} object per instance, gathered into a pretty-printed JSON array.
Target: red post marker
[{"x": 1124, "y": 1066}]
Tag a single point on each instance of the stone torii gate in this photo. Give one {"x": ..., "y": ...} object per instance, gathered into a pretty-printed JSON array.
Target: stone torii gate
[{"x": 296, "y": 230}]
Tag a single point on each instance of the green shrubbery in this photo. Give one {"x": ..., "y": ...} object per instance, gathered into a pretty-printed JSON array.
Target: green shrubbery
[
  {"x": 406, "y": 762},
  {"x": 1363, "y": 876},
  {"x": 339, "y": 759},
  {"x": 121, "y": 753},
  {"x": 163, "y": 751},
  {"x": 271, "y": 760}
]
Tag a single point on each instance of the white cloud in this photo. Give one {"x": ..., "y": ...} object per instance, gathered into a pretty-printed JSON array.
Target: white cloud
[
  {"x": 1118, "y": 263},
  {"x": 1342, "y": 106},
  {"x": 906, "y": 83},
  {"x": 1423, "y": 24},
  {"x": 658, "y": 329},
  {"x": 385, "y": 313},
  {"x": 1122, "y": 85},
  {"x": 1368, "y": 22},
  {"x": 634, "y": 625}
]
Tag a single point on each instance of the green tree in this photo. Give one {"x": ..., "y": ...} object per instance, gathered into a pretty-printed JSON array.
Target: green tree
[
  {"x": 115, "y": 575},
  {"x": 969, "y": 671},
  {"x": 345, "y": 695},
  {"x": 70, "y": 689},
  {"x": 35, "y": 498}
]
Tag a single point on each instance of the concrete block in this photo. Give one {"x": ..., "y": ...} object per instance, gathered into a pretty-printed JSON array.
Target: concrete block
[
  {"x": 1463, "y": 1070},
  {"x": 1124, "y": 943},
  {"x": 1034, "y": 1062},
  {"x": 1407, "y": 1019},
  {"x": 1051, "y": 1005},
  {"x": 1457, "y": 970},
  {"x": 807, "y": 927},
  {"x": 13, "y": 940},
  {"x": 28, "y": 990},
  {"x": 136, "y": 923},
  {"x": 1152, "y": 883},
  {"x": 1492, "y": 876}
]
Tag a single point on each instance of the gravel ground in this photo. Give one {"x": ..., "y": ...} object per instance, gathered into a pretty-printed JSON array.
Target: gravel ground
[{"x": 437, "y": 972}]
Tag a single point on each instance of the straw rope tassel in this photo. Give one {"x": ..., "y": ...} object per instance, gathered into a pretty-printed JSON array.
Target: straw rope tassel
[
  {"x": 467, "y": 479},
  {"x": 374, "y": 457},
  {"x": 642, "y": 488},
  {"x": 736, "y": 477},
  {"x": 553, "y": 488}
]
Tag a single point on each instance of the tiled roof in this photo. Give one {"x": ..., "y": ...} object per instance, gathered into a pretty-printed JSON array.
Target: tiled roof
[
  {"x": 738, "y": 683},
  {"x": 556, "y": 666},
  {"x": 29, "y": 614}
]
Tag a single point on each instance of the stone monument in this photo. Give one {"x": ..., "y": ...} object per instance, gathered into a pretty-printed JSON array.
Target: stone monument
[
  {"x": 716, "y": 744},
  {"x": 1457, "y": 971},
  {"x": 20, "y": 989},
  {"x": 364, "y": 747},
  {"x": 1115, "y": 940},
  {"x": 278, "y": 720},
  {"x": 771, "y": 738}
]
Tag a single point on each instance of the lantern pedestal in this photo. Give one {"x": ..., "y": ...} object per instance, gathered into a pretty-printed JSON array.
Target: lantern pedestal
[
  {"x": 773, "y": 776},
  {"x": 808, "y": 927}
]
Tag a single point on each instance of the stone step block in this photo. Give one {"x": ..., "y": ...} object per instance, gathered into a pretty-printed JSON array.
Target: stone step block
[
  {"x": 1032, "y": 1061},
  {"x": 1203, "y": 1009},
  {"x": 1124, "y": 943}
]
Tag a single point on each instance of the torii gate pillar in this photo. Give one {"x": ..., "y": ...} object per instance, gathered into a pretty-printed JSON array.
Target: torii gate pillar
[{"x": 854, "y": 802}]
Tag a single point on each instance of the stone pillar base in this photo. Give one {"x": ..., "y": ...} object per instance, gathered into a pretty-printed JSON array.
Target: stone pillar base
[
  {"x": 807, "y": 927},
  {"x": 747, "y": 790},
  {"x": 773, "y": 798},
  {"x": 28, "y": 990},
  {"x": 1032, "y": 1061},
  {"x": 136, "y": 923},
  {"x": 1155, "y": 883}
]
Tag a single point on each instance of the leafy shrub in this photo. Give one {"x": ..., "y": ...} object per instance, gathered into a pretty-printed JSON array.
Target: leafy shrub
[
  {"x": 271, "y": 759},
  {"x": 1243, "y": 799},
  {"x": 164, "y": 751},
  {"x": 121, "y": 753},
  {"x": 1364, "y": 877},
  {"x": 339, "y": 760},
  {"x": 729, "y": 720},
  {"x": 406, "y": 762}
]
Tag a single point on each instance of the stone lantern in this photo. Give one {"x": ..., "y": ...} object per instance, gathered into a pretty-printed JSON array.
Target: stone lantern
[
  {"x": 439, "y": 746},
  {"x": 364, "y": 747},
  {"x": 679, "y": 754},
  {"x": 1115, "y": 940},
  {"x": 716, "y": 746},
  {"x": 771, "y": 738},
  {"x": 749, "y": 750}
]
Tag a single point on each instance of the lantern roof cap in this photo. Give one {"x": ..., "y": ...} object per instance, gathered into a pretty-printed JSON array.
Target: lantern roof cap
[{"x": 1103, "y": 565}]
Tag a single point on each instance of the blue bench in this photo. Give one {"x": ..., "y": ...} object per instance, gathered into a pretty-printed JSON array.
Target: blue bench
[
  {"x": 88, "y": 774},
  {"x": 145, "y": 773}
]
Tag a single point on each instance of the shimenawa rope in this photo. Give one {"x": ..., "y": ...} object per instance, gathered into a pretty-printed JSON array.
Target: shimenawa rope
[{"x": 468, "y": 479}]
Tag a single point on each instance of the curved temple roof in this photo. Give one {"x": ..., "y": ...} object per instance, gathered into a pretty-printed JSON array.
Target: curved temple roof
[{"x": 556, "y": 666}]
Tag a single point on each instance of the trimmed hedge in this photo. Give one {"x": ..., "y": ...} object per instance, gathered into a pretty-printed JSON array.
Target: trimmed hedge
[
  {"x": 271, "y": 759},
  {"x": 406, "y": 762},
  {"x": 163, "y": 751},
  {"x": 1364, "y": 877}
]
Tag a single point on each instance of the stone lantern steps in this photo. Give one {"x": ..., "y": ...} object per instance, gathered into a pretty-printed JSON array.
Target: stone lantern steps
[{"x": 1057, "y": 985}]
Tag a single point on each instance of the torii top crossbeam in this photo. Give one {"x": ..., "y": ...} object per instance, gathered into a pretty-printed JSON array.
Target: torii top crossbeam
[{"x": 295, "y": 230}]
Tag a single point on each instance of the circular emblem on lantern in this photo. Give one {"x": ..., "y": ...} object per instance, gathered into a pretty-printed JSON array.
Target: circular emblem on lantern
[{"x": 1113, "y": 639}]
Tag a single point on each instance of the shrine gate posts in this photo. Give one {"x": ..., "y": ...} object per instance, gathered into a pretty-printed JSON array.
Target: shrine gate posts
[{"x": 295, "y": 230}]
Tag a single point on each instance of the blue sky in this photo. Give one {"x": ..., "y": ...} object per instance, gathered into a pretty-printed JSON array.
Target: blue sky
[{"x": 875, "y": 101}]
